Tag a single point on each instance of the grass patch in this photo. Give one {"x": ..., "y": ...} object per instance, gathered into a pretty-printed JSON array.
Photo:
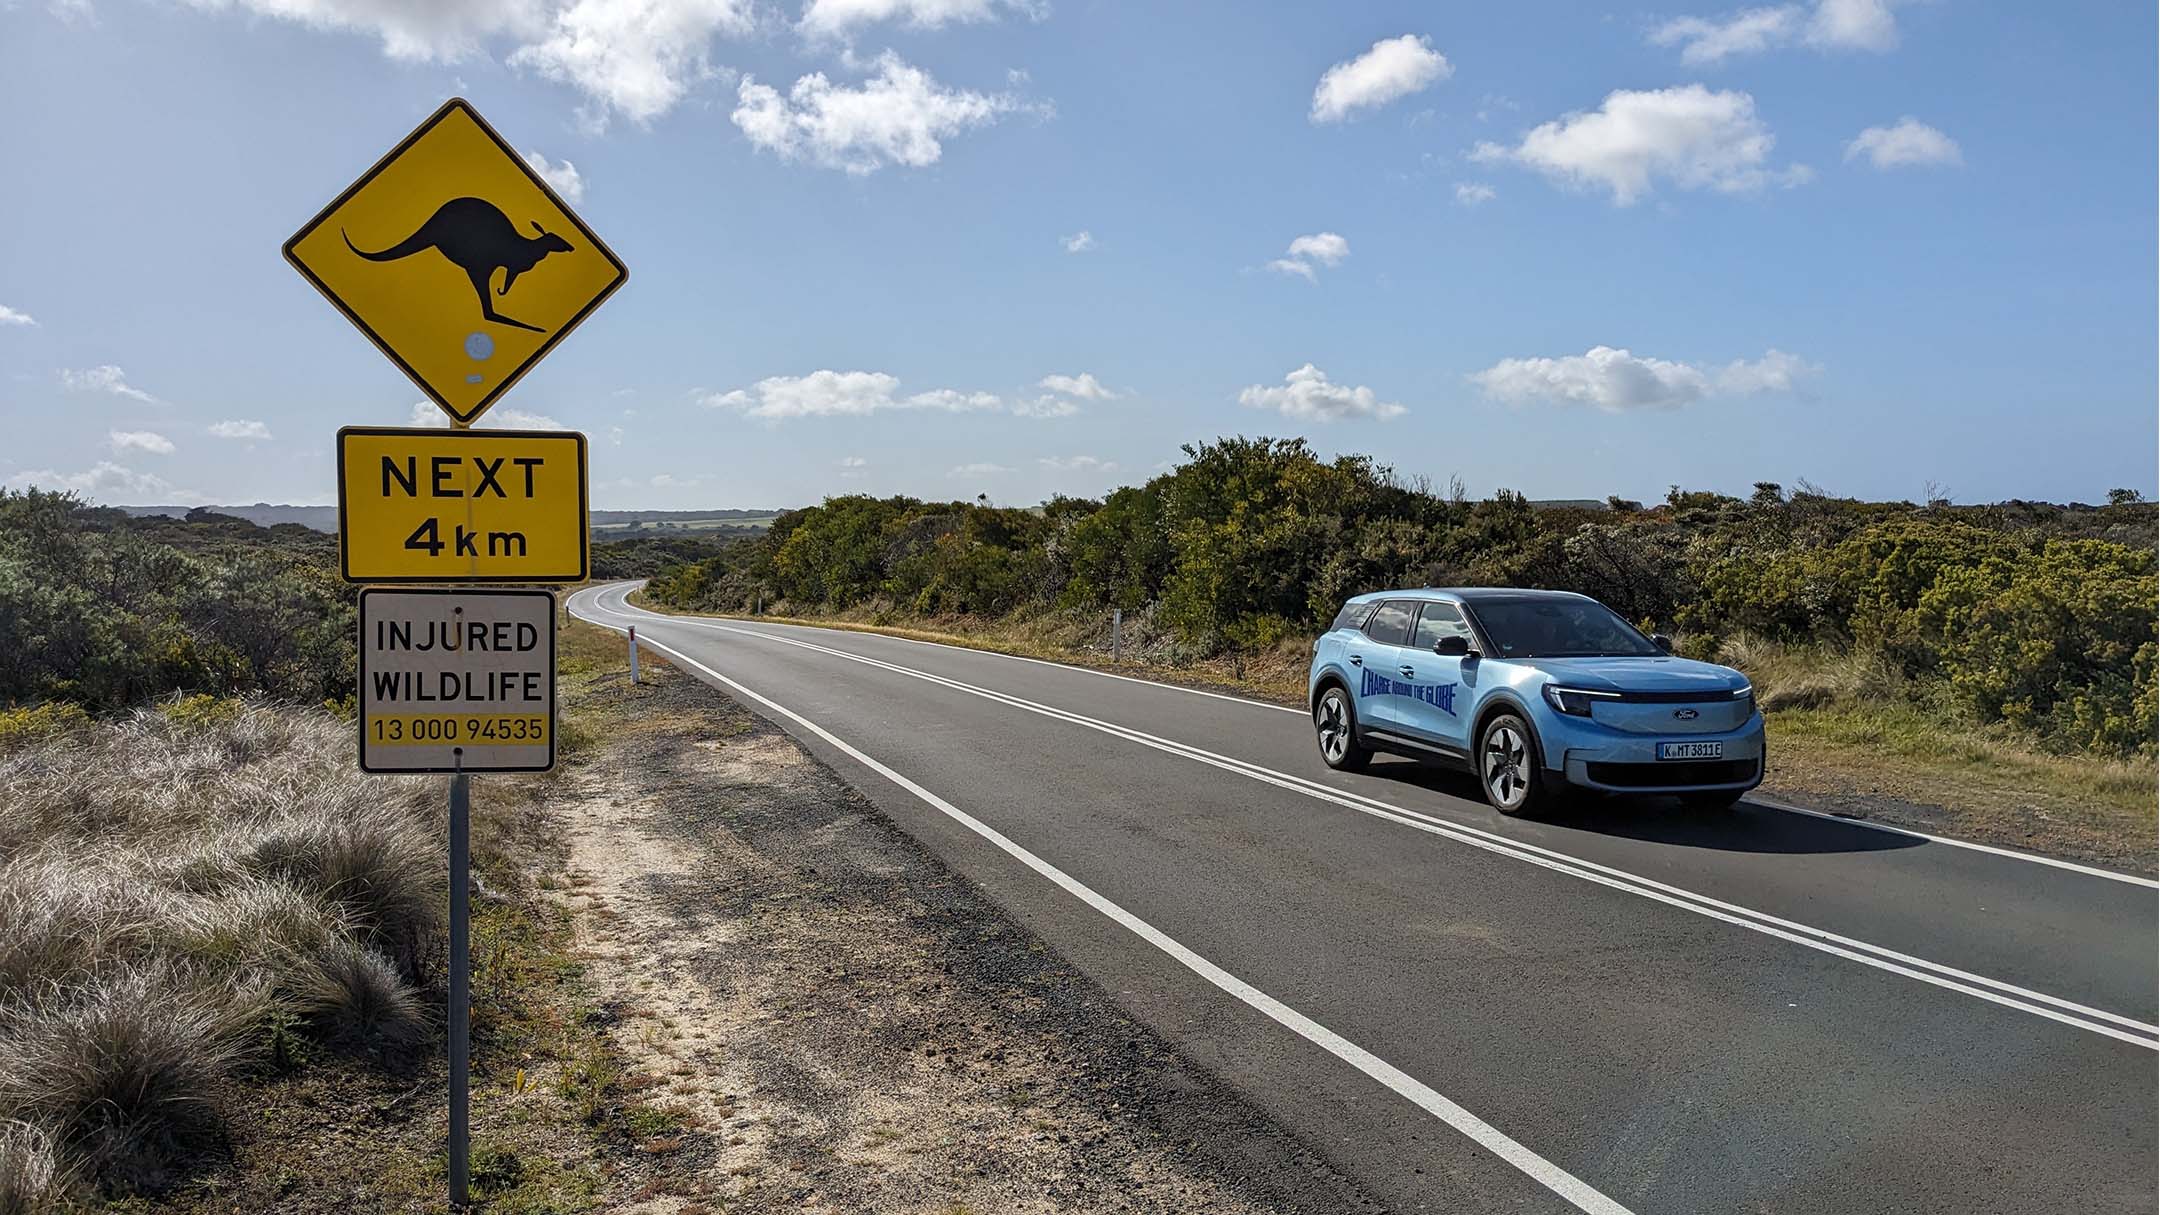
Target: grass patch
[{"x": 222, "y": 967}]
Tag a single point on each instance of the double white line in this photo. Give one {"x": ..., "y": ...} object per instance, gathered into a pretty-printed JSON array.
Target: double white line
[{"x": 2009, "y": 995}]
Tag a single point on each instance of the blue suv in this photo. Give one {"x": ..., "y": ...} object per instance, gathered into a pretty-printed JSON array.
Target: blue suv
[{"x": 1533, "y": 691}]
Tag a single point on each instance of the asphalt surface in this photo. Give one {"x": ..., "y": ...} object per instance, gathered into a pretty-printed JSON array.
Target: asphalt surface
[{"x": 1632, "y": 1008}]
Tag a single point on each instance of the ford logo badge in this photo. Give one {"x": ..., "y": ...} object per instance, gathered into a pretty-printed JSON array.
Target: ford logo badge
[{"x": 1685, "y": 714}]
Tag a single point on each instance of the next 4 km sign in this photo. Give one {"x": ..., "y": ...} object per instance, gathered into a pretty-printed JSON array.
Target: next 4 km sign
[{"x": 462, "y": 505}]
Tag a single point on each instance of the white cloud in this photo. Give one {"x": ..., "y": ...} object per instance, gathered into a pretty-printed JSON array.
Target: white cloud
[
  {"x": 837, "y": 18},
  {"x": 409, "y": 29},
  {"x": 500, "y": 417},
  {"x": 638, "y": 58},
  {"x": 140, "y": 440},
  {"x": 1706, "y": 40},
  {"x": 1084, "y": 386},
  {"x": 841, "y": 394},
  {"x": 108, "y": 483},
  {"x": 671, "y": 481},
  {"x": 1045, "y": 407},
  {"x": 1078, "y": 464},
  {"x": 561, "y": 176},
  {"x": 1307, "y": 253},
  {"x": 1616, "y": 381},
  {"x": 242, "y": 429},
  {"x": 9, "y": 316},
  {"x": 1854, "y": 25},
  {"x": 1307, "y": 394},
  {"x": 105, "y": 378},
  {"x": 851, "y": 467},
  {"x": 635, "y": 57},
  {"x": 1908, "y": 144},
  {"x": 615, "y": 435},
  {"x": 1842, "y": 25},
  {"x": 1078, "y": 242},
  {"x": 1472, "y": 193},
  {"x": 898, "y": 116},
  {"x": 1392, "y": 69},
  {"x": 983, "y": 469},
  {"x": 1689, "y": 135}
]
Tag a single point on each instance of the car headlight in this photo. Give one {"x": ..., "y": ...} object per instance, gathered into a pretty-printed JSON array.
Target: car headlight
[
  {"x": 1575, "y": 702},
  {"x": 1746, "y": 696}
]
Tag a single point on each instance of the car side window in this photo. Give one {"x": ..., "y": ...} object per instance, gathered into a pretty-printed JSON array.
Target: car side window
[
  {"x": 1390, "y": 625},
  {"x": 1438, "y": 620},
  {"x": 1351, "y": 616}
]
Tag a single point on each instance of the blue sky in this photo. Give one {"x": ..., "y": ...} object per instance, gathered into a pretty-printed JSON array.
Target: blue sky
[{"x": 1571, "y": 251}]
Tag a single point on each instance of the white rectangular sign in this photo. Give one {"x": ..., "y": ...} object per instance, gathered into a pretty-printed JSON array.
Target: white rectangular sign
[{"x": 456, "y": 681}]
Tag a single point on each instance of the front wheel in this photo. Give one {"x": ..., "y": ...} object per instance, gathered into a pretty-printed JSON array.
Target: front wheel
[
  {"x": 1508, "y": 768},
  {"x": 1335, "y": 723}
]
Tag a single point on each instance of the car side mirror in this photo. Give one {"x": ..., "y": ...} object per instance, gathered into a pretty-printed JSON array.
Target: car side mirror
[
  {"x": 1452, "y": 646},
  {"x": 1663, "y": 642}
]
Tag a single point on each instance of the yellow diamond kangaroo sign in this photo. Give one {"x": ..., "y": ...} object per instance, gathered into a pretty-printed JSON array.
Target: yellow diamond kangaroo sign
[{"x": 457, "y": 260}]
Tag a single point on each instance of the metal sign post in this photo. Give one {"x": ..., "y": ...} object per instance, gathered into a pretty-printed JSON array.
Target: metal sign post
[
  {"x": 460, "y": 1027},
  {"x": 633, "y": 654}
]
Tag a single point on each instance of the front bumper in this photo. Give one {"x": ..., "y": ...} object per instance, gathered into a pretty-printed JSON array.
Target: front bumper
[{"x": 1614, "y": 763}]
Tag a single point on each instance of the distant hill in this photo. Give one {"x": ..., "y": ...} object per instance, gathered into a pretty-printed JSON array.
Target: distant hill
[{"x": 324, "y": 518}]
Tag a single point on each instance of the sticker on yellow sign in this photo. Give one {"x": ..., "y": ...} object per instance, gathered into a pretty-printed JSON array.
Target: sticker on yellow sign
[
  {"x": 462, "y": 505},
  {"x": 457, "y": 260}
]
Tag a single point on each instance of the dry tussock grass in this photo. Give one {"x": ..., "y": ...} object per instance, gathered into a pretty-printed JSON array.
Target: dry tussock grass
[{"x": 176, "y": 888}]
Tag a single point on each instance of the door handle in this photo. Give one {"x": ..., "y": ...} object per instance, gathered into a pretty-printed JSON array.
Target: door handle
[
  {"x": 1357, "y": 660},
  {"x": 1407, "y": 672}
]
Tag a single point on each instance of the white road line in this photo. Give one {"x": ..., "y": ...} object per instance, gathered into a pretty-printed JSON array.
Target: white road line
[
  {"x": 1573, "y": 1190},
  {"x": 2089, "y": 870},
  {"x": 1041, "y": 662},
  {"x": 1951, "y": 978},
  {"x": 1754, "y": 799}
]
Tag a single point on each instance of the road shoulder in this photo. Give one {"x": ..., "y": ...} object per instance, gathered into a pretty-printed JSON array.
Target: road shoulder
[{"x": 827, "y": 1018}]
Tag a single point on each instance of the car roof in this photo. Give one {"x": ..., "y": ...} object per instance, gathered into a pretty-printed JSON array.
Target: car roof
[{"x": 1466, "y": 594}]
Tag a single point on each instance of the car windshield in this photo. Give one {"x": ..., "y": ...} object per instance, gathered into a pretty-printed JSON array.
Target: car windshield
[{"x": 1558, "y": 628}]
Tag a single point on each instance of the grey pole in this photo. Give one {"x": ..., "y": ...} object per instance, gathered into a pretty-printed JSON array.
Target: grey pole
[
  {"x": 460, "y": 980},
  {"x": 633, "y": 654},
  {"x": 1117, "y": 629}
]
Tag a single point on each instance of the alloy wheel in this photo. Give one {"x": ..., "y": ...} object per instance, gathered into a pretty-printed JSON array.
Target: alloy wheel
[
  {"x": 1334, "y": 725},
  {"x": 1506, "y": 771}
]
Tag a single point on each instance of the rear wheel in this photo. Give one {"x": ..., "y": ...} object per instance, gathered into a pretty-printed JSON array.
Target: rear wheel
[
  {"x": 1335, "y": 723},
  {"x": 1508, "y": 768}
]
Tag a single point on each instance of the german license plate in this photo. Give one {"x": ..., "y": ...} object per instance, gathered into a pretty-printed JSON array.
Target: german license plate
[{"x": 1691, "y": 750}]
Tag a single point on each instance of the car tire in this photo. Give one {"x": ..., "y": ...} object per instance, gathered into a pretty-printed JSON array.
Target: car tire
[
  {"x": 1335, "y": 727},
  {"x": 1508, "y": 768},
  {"x": 1711, "y": 803}
]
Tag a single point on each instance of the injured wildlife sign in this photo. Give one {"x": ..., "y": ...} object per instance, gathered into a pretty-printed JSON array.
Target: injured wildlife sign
[
  {"x": 457, "y": 681},
  {"x": 456, "y": 259}
]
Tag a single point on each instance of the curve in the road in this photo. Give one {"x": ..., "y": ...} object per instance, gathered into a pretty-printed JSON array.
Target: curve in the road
[{"x": 2023, "y": 999}]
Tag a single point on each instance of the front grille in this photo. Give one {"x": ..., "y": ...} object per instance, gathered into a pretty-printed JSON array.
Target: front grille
[
  {"x": 1704, "y": 698},
  {"x": 1677, "y": 772}
]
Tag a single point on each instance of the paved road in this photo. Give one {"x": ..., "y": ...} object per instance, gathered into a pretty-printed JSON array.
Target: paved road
[{"x": 1633, "y": 1010}]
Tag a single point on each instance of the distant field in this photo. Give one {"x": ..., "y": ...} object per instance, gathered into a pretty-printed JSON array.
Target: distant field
[
  {"x": 324, "y": 518},
  {"x": 675, "y": 524}
]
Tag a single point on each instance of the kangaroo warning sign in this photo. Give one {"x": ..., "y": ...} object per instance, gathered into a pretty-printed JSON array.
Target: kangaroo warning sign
[
  {"x": 456, "y": 259},
  {"x": 457, "y": 681},
  {"x": 419, "y": 505}
]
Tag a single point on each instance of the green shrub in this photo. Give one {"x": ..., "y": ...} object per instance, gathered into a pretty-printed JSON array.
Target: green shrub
[
  {"x": 39, "y": 722},
  {"x": 2025, "y": 613}
]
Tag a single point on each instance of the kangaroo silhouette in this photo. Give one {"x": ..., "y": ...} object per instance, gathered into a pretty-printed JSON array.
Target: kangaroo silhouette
[{"x": 479, "y": 239}]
